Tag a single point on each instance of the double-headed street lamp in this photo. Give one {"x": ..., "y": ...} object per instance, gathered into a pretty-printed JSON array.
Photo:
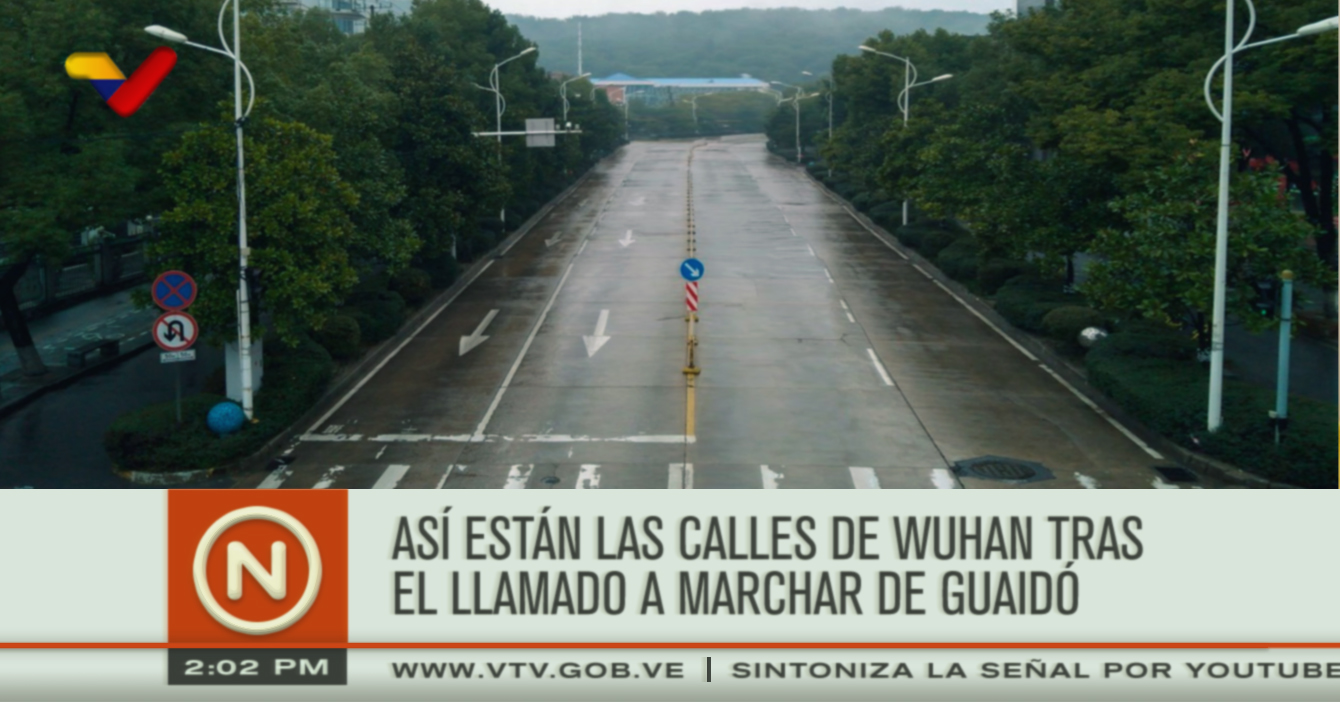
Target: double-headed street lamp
[
  {"x": 795, "y": 102},
  {"x": 239, "y": 120},
  {"x": 693, "y": 102},
  {"x": 563, "y": 93},
  {"x": 500, "y": 106},
  {"x": 1214, "y": 414},
  {"x": 905, "y": 97}
]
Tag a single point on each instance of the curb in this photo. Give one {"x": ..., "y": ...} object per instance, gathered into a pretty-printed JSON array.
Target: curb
[
  {"x": 1078, "y": 380},
  {"x": 140, "y": 477},
  {"x": 346, "y": 377},
  {"x": 9, "y": 406}
]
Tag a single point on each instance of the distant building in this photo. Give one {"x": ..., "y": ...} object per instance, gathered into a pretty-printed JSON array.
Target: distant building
[
  {"x": 351, "y": 16},
  {"x": 1021, "y": 7},
  {"x": 659, "y": 91}
]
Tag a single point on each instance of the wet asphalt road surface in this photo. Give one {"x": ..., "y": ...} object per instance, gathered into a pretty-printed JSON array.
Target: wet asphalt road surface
[{"x": 828, "y": 360}]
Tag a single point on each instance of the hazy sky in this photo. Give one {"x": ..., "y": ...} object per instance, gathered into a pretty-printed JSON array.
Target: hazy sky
[{"x": 549, "y": 8}]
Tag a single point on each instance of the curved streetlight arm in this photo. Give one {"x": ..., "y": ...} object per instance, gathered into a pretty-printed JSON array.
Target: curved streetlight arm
[
  {"x": 936, "y": 79},
  {"x": 902, "y": 106},
  {"x": 1307, "y": 30}
]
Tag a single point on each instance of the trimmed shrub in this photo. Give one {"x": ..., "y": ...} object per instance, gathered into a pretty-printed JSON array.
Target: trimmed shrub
[
  {"x": 998, "y": 271},
  {"x": 845, "y": 190},
  {"x": 379, "y": 318},
  {"x": 1169, "y": 396},
  {"x": 959, "y": 259},
  {"x": 1025, "y": 300},
  {"x": 861, "y": 201},
  {"x": 910, "y": 235},
  {"x": 887, "y": 210},
  {"x": 442, "y": 270},
  {"x": 935, "y": 241},
  {"x": 1065, "y": 323},
  {"x": 149, "y": 439},
  {"x": 341, "y": 336},
  {"x": 1168, "y": 344},
  {"x": 413, "y": 284}
]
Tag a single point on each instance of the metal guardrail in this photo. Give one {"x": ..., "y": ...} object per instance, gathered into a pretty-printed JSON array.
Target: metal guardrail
[{"x": 106, "y": 265}]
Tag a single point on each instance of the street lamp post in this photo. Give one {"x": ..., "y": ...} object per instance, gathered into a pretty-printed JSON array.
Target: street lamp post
[
  {"x": 800, "y": 159},
  {"x": 1214, "y": 411},
  {"x": 832, "y": 88},
  {"x": 500, "y": 106},
  {"x": 563, "y": 92},
  {"x": 239, "y": 121},
  {"x": 905, "y": 97}
]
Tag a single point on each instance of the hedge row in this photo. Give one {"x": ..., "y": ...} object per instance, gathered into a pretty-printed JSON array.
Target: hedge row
[
  {"x": 1168, "y": 393},
  {"x": 150, "y": 439}
]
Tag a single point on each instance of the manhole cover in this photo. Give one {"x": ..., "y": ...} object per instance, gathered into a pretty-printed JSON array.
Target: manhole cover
[
  {"x": 1176, "y": 474},
  {"x": 1012, "y": 470}
]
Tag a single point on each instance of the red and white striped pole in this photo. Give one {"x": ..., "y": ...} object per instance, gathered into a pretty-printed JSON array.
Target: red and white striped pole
[{"x": 691, "y": 295}]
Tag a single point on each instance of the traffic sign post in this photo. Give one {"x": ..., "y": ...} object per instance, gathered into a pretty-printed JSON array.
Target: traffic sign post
[{"x": 175, "y": 331}]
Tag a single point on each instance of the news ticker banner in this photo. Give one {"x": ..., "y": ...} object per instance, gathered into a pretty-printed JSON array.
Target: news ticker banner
[{"x": 587, "y": 595}]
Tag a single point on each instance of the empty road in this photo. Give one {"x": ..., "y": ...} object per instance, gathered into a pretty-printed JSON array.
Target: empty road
[{"x": 827, "y": 359}]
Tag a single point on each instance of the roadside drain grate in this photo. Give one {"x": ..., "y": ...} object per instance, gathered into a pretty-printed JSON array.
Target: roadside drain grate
[
  {"x": 550, "y": 480},
  {"x": 1007, "y": 470},
  {"x": 1176, "y": 474}
]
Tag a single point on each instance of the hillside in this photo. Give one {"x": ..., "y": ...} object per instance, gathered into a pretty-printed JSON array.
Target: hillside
[{"x": 775, "y": 44}]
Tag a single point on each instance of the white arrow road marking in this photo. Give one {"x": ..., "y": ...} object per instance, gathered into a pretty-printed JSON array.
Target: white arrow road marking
[
  {"x": 555, "y": 240},
  {"x": 328, "y": 478},
  {"x": 593, "y": 343},
  {"x": 1088, "y": 482},
  {"x": 627, "y": 239},
  {"x": 589, "y": 478},
  {"x": 477, "y": 338},
  {"x": 864, "y": 478},
  {"x": 770, "y": 478},
  {"x": 390, "y": 477},
  {"x": 517, "y": 477}
]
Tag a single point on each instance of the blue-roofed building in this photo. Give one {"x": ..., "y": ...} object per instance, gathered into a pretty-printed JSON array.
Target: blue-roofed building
[{"x": 658, "y": 91}]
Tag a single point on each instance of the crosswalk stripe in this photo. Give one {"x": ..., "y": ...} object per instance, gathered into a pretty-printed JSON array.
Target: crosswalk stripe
[
  {"x": 328, "y": 478},
  {"x": 681, "y": 476},
  {"x": 943, "y": 479},
  {"x": 446, "y": 474},
  {"x": 390, "y": 477},
  {"x": 275, "y": 478},
  {"x": 589, "y": 478},
  {"x": 770, "y": 478},
  {"x": 517, "y": 478},
  {"x": 864, "y": 478}
]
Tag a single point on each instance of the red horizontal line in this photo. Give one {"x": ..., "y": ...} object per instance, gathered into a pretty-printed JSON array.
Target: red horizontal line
[{"x": 687, "y": 645}]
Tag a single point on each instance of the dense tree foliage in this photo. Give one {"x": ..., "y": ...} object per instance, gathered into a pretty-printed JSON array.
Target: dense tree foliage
[
  {"x": 1082, "y": 129},
  {"x": 772, "y": 44},
  {"x": 361, "y": 149}
]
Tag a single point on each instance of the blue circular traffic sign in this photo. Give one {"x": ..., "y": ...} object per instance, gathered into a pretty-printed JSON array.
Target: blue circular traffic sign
[
  {"x": 691, "y": 269},
  {"x": 174, "y": 291}
]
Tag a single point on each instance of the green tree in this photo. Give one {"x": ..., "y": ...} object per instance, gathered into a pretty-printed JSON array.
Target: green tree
[
  {"x": 299, "y": 227},
  {"x": 1161, "y": 265}
]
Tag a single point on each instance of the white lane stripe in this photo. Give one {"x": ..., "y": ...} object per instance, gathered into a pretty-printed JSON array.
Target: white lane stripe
[
  {"x": 331, "y": 437},
  {"x": 445, "y": 474},
  {"x": 829, "y": 276},
  {"x": 517, "y": 477},
  {"x": 275, "y": 478},
  {"x": 1161, "y": 485},
  {"x": 770, "y": 478},
  {"x": 864, "y": 478},
  {"x": 397, "y": 349},
  {"x": 879, "y": 367},
  {"x": 1088, "y": 482},
  {"x": 811, "y": 248},
  {"x": 390, "y": 477},
  {"x": 328, "y": 478},
  {"x": 497, "y": 398},
  {"x": 923, "y": 271},
  {"x": 589, "y": 477},
  {"x": 851, "y": 318},
  {"x": 986, "y": 321},
  {"x": 675, "y": 480},
  {"x": 332, "y": 429},
  {"x": 943, "y": 479},
  {"x": 584, "y": 243},
  {"x": 379, "y": 454},
  {"x": 793, "y": 232},
  {"x": 1101, "y": 413}
]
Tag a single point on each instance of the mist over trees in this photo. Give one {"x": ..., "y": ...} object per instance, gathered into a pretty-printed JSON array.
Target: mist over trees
[{"x": 773, "y": 44}]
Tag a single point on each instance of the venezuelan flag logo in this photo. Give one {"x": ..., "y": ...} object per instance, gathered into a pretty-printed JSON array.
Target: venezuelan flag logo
[{"x": 123, "y": 95}]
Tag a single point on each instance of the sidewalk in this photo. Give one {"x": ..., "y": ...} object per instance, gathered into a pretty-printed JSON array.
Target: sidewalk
[{"x": 110, "y": 317}]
